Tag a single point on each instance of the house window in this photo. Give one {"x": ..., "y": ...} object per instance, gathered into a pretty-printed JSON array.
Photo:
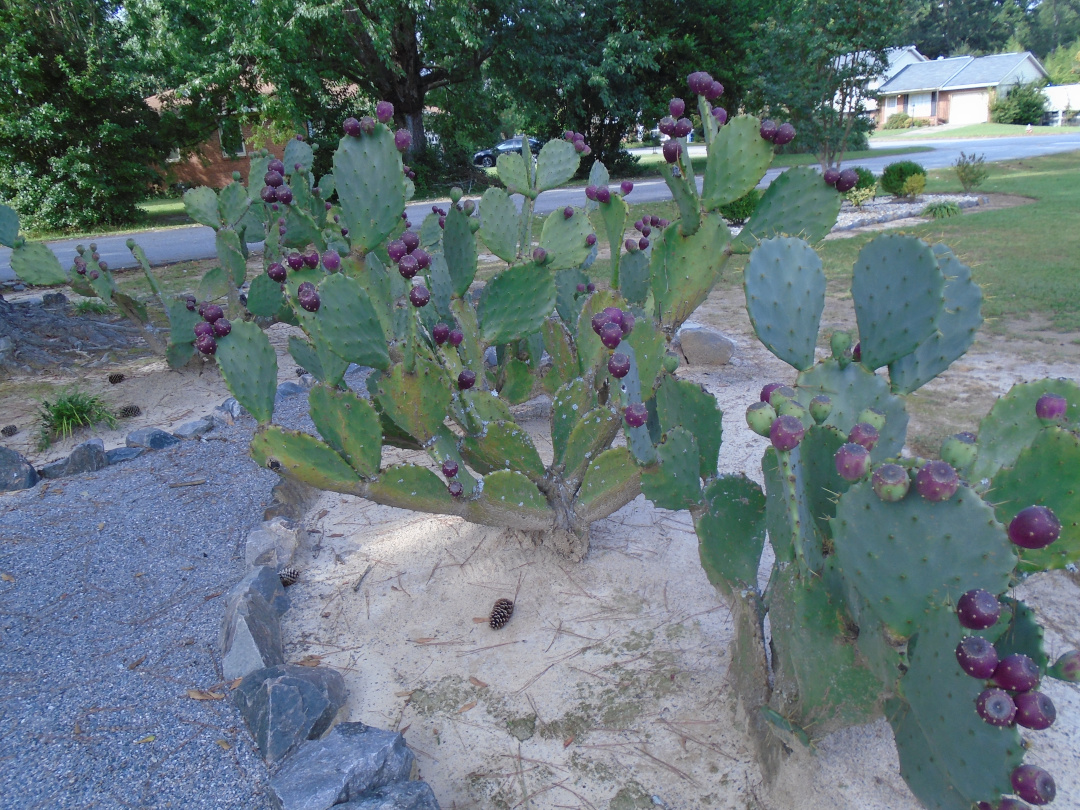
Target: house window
[
  {"x": 921, "y": 105},
  {"x": 232, "y": 138},
  {"x": 174, "y": 155}
]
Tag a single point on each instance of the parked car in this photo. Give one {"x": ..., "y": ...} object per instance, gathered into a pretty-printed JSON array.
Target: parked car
[{"x": 487, "y": 157}]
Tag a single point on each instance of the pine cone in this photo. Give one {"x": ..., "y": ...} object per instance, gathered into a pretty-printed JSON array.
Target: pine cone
[
  {"x": 129, "y": 412},
  {"x": 288, "y": 576},
  {"x": 116, "y": 377},
  {"x": 9, "y": 431},
  {"x": 501, "y": 613},
  {"x": 300, "y": 372}
]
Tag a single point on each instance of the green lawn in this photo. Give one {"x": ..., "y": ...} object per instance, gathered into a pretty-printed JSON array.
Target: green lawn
[
  {"x": 650, "y": 164},
  {"x": 157, "y": 213},
  {"x": 971, "y": 131}
]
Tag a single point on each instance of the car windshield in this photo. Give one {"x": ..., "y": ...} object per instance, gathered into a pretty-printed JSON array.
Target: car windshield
[{"x": 513, "y": 143}]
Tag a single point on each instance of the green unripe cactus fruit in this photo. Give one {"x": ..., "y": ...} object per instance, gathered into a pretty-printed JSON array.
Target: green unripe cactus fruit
[
  {"x": 820, "y": 408},
  {"x": 760, "y": 417},
  {"x": 960, "y": 451},
  {"x": 872, "y": 416}
]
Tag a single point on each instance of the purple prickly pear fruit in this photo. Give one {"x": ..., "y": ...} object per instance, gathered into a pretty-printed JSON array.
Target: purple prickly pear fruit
[
  {"x": 937, "y": 481},
  {"x": 466, "y": 380},
  {"x": 1051, "y": 409},
  {"x": 785, "y": 134},
  {"x": 672, "y": 150},
  {"x": 590, "y": 192},
  {"x": 636, "y": 415},
  {"x": 820, "y": 408},
  {"x": 410, "y": 240},
  {"x": 977, "y": 657},
  {"x": 273, "y": 179},
  {"x": 450, "y": 468},
  {"x": 654, "y": 221},
  {"x": 367, "y": 124},
  {"x": 211, "y": 312},
  {"x": 403, "y": 140},
  {"x": 959, "y": 450},
  {"x": 603, "y": 195},
  {"x": 995, "y": 707},
  {"x": 614, "y": 314},
  {"x": 760, "y": 416},
  {"x": 407, "y": 266},
  {"x": 611, "y": 335},
  {"x": 206, "y": 344},
  {"x": 856, "y": 353},
  {"x": 626, "y": 187},
  {"x": 284, "y": 195},
  {"x": 890, "y": 482},
  {"x": 344, "y": 231},
  {"x": 618, "y": 365},
  {"x": 627, "y": 323},
  {"x": 190, "y": 303},
  {"x": 631, "y": 245},
  {"x": 580, "y": 147},
  {"x": 590, "y": 287},
  {"x": 766, "y": 392},
  {"x": 714, "y": 92},
  {"x": 305, "y": 289},
  {"x": 581, "y": 288},
  {"x": 396, "y": 249},
  {"x": 281, "y": 230},
  {"x": 295, "y": 260},
  {"x": 720, "y": 114},
  {"x": 667, "y": 126},
  {"x": 203, "y": 328},
  {"x": 831, "y": 176},
  {"x": 423, "y": 258},
  {"x": 468, "y": 207},
  {"x": 268, "y": 194},
  {"x": 676, "y": 107},
  {"x": 645, "y": 230},
  {"x": 221, "y": 327},
  {"x": 847, "y": 180},
  {"x": 1034, "y": 527},
  {"x": 276, "y": 165},
  {"x": 852, "y": 461},
  {"x": 440, "y": 332},
  {"x": 331, "y": 260},
  {"x": 780, "y": 394},
  {"x": 456, "y": 336},
  {"x": 419, "y": 296},
  {"x": 590, "y": 240},
  {"x": 103, "y": 265},
  {"x": 568, "y": 212},
  {"x": 351, "y": 127},
  {"x": 599, "y": 320},
  {"x": 539, "y": 255},
  {"x": 312, "y": 259},
  {"x": 1066, "y": 668},
  {"x": 683, "y": 127},
  {"x": 455, "y": 489},
  {"x": 568, "y": 135},
  {"x": 978, "y": 609},
  {"x": 642, "y": 243},
  {"x": 786, "y": 433},
  {"x": 1016, "y": 672},
  {"x": 699, "y": 82},
  {"x": 864, "y": 434},
  {"x": 1034, "y": 710},
  {"x": 1033, "y": 784},
  {"x": 384, "y": 111},
  {"x": 768, "y": 129}
]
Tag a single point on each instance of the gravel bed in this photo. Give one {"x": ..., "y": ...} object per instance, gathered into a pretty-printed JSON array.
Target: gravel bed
[
  {"x": 110, "y": 607},
  {"x": 886, "y": 209}
]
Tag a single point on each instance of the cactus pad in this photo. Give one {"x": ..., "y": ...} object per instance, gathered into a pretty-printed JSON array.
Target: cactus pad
[
  {"x": 1046, "y": 473},
  {"x": 9, "y": 226},
  {"x": 903, "y": 557},
  {"x": 34, "y": 263},
  {"x": 459, "y": 248},
  {"x": 408, "y": 486},
  {"x": 264, "y": 296},
  {"x": 685, "y": 268},
  {"x": 484, "y": 407},
  {"x": 606, "y": 476},
  {"x": 297, "y": 151},
  {"x": 634, "y": 277},
  {"x": 349, "y": 323},
  {"x": 517, "y": 382},
  {"x": 738, "y": 158},
  {"x": 500, "y": 223},
  {"x": 231, "y": 256},
  {"x": 898, "y": 290},
  {"x": 564, "y": 240},
  {"x": 514, "y": 175},
  {"x": 202, "y": 206},
  {"x": 302, "y": 457},
  {"x": 673, "y": 482},
  {"x": 796, "y": 203},
  {"x": 731, "y": 532},
  {"x": 370, "y": 187},
  {"x": 249, "y": 365},
  {"x": 349, "y": 425},
  {"x": 589, "y": 437},
  {"x": 568, "y": 407},
  {"x": 648, "y": 353},
  {"x": 787, "y": 510},
  {"x": 416, "y": 402},
  {"x": 515, "y": 303},
  {"x": 687, "y": 404},
  {"x": 785, "y": 296},
  {"x": 503, "y": 446},
  {"x": 511, "y": 493},
  {"x": 233, "y": 202},
  {"x": 556, "y": 164},
  {"x": 1022, "y": 633},
  {"x": 564, "y": 361}
]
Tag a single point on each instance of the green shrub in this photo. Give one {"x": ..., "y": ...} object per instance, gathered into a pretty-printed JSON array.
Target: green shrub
[
  {"x": 913, "y": 186},
  {"x": 1023, "y": 104},
  {"x": 866, "y": 178},
  {"x": 898, "y": 121},
  {"x": 860, "y": 196},
  {"x": 737, "y": 212},
  {"x": 895, "y": 174},
  {"x": 941, "y": 210},
  {"x": 72, "y": 410},
  {"x": 971, "y": 170}
]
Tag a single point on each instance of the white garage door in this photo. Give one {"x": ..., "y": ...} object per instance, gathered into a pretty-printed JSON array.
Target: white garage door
[{"x": 971, "y": 107}]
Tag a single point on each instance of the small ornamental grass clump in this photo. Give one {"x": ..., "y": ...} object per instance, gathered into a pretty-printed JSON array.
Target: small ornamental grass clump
[
  {"x": 69, "y": 412},
  {"x": 943, "y": 209},
  {"x": 971, "y": 170}
]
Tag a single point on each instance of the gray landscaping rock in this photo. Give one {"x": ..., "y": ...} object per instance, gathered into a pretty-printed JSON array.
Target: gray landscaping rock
[
  {"x": 151, "y": 439},
  {"x": 15, "y": 471},
  {"x": 87, "y": 457},
  {"x": 265, "y": 582},
  {"x": 273, "y": 543},
  {"x": 350, "y": 761},
  {"x": 702, "y": 346},
  {"x": 229, "y": 411},
  {"x": 250, "y": 631},
  {"x": 398, "y": 796},
  {"x": 192, "y": 430},
  {"x": 491, "y": 357},
  {"x": 53, "y": 299},
  {"x": 308, "y": 381},
  {"x": 118, "y": 454},
  {"x": 289, "y": 389},
  {"x": 286, "y": 704}
]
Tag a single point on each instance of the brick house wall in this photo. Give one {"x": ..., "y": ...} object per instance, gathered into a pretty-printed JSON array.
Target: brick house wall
[{"x": 210, "y": 166}]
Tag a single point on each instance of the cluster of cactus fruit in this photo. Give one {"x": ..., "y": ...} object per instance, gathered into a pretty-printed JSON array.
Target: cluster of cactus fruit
[{"x": 883, "y": 563}]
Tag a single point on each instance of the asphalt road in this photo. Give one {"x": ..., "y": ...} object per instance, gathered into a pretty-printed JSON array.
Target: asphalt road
[{"x": 197, "y": 242}]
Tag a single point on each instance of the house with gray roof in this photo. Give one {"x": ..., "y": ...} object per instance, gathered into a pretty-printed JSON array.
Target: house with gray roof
[{"x": 957, "y": 90}]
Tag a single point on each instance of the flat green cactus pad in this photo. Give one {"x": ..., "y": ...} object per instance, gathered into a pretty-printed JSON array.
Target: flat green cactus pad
[
  {"x": 350, "y": 425},
  {"x": 687, "y": 404},
  {"x": 297, "y": 151},
  {"x": 785, "y": 296},
  {"x": 201, "y": 205},
  {"x": 500, "y": 223},
  {"x": 264, "y": 296},
  {"x": 673, "y": 482},
  {"x": 788, "y": 513},
  {"x": 588, "y": 439},
  {"x": 302, "y": 457},
  {"x": 212, "y": 286},
  {"x": 181, "y": 321},
  {"x": 949, "y": 756},
  {"x": 648, "y": 353},
  {"x": 408, "y": 486},
  {"x": 1021, "y": 634},
  {"x": 34, "y": 263},
  {"x": 556, "y": 164},
  {"x": 249, "y": 365},
  {"x": 614, "y": 215},
  {"x": 517, "y": 382},
  {"x": 515, "y": 303},
  {"x": 459, "y": 248},
  {"x": 9, "y": 225},
  {"x": 590, "y": 350},
  {"x": 738, "y": 158},
  {"x": 484, "y": 407},
  {"x": 685, "y": 268},
  {"x": 564, "y": 361},
  {"x": 1046, "y": 473},
  {"x": 510, "y": 492},
  {"x": 370, "y": 187},
  {"x": 416, "y": 402},
  {"x": 512, "y": 172},
  {"x": 906, "y": 556},
  {"x": 569, "y": 405},
  {"x": 503, "y": 446},
  {"x": 569, "y": 301},
  {"x": 797, "y": 203},
  {"x": 1012, "y": 425},
  {"x": 634, "y": 277},
  {"x": 731, "y": 532},
  {"x": 349, "y": 323},
  {"x": 898, "y": 291},
  {"x": 609, "y": 473},
  {"x": 233, "y": 202},
  {"x": 564, "y": 240}
]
